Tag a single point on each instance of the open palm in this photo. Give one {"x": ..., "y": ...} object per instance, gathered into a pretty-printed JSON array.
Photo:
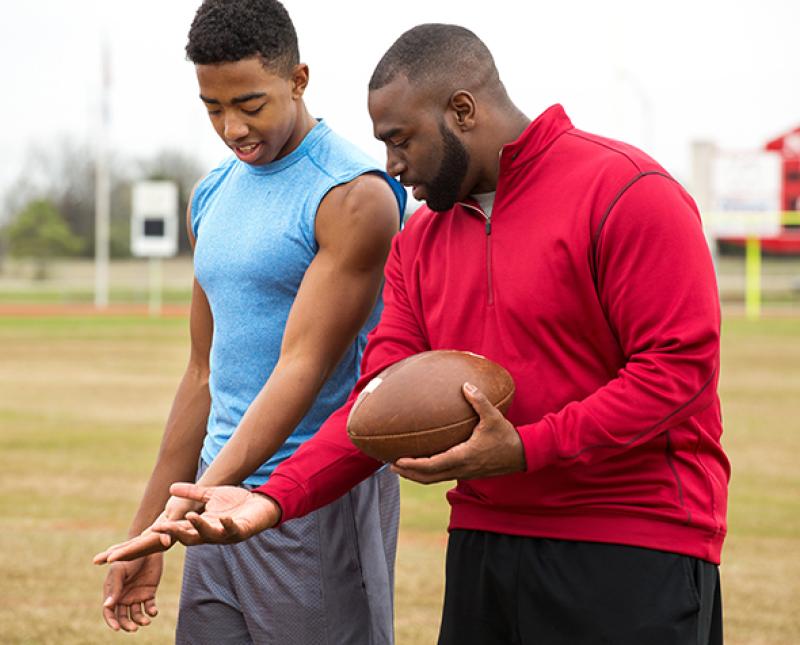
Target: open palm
[{"x": 231, "y": 514}]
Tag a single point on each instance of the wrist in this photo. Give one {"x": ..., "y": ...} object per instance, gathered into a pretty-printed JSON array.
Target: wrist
[{"x": 273, "y": 511}]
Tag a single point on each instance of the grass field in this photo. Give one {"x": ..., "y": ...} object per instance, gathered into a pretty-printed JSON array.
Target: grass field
[
  {"x": 70, "y": 281},
  {"x": 82, "y": 401}
]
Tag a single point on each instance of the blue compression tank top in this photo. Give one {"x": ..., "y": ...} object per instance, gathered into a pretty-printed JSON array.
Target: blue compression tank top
[{"x": 254, "y": 230}]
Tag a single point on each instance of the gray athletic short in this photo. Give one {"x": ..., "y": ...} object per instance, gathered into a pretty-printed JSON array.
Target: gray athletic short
[{"x": 323, "y": 579}]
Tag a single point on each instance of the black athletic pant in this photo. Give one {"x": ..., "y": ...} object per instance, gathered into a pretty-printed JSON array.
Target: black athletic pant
[{"x": 509, "y": 590}]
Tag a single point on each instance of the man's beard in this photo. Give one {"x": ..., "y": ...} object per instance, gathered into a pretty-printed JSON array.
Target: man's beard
[{"x": 443, "y": 190}]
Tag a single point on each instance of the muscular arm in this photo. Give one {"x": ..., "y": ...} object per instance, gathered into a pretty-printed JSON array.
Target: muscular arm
[
  {"x": 322, "y": 469},
  {"x": 656, "y": 282},
  {"x": 329, "y": 465},
  {"x": 129, "y": 589},
  {"x": 354, "y": 227},
  {"x": 669, "y": 333},
  {"x": 186, "y": 424}
]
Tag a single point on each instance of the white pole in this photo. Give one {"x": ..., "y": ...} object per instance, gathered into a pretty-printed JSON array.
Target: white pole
[
  {"x": 102, "y": 192},
  {"x": 702, "y": 189},
  {"x": 155, "y": 287}
]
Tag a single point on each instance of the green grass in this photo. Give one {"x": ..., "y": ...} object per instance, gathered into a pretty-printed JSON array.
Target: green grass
[
  {"x": 83, "y": 399},
  {"x": 759, "y": 386},
  {"x": 81, "y": 407}
]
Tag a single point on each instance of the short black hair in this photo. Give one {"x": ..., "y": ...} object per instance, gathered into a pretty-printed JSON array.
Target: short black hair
[
  {"x": 434, "y": 51},
  {"x": 231, "y": 30}
]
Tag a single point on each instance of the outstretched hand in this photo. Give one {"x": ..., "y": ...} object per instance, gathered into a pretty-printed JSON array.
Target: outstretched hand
[
  {"x": 494, "y": 448},
  {"x": 146, "y": 543},
  {"x": 231, "y": 514}
]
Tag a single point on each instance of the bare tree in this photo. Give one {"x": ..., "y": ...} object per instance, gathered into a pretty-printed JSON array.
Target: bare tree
[{"x": 63, "y": 174}]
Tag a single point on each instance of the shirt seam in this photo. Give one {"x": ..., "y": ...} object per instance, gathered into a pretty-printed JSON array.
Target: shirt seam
[{"x": 648, "y": 429}]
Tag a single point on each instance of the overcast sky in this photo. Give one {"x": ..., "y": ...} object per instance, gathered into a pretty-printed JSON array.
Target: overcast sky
[{"x": 657, "y": 75}]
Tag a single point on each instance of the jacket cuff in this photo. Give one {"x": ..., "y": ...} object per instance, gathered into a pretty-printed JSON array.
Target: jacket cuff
[
  {"x": 286, "y": 493},
  {"x": 539, "y": 444}
]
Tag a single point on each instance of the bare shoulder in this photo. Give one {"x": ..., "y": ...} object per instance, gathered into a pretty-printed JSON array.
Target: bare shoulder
[
  {"x": 364, "y": 208},
  {"x": 189, "y": 228},
  {"x": 370, "y": 185}
]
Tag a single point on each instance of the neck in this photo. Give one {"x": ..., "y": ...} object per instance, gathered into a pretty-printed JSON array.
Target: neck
[
  {"x": 304, "y": 124},
  {"x": 507, "y": 124}
]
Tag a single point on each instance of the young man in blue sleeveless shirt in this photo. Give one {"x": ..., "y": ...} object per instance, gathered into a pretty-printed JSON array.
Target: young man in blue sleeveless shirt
[{"x": 290, "y": 236}]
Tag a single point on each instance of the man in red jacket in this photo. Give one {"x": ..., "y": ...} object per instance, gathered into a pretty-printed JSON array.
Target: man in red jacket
[{"x": 595, "y": 512}]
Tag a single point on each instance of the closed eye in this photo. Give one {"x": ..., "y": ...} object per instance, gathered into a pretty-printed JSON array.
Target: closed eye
[{"x": 254, "y": 111}]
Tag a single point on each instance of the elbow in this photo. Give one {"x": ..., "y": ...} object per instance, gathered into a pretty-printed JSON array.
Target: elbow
[
  {"x": 198, "y": 371},
  {"x": 307, "y": 371}
]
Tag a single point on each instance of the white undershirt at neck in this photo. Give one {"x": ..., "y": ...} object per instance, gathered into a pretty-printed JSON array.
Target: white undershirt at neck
[{"x": 486, "y": 200}]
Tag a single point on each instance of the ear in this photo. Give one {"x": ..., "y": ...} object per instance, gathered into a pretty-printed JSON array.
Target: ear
[
  {"x": 463, "y": 107},
  {"x": 299, "y": 80}
]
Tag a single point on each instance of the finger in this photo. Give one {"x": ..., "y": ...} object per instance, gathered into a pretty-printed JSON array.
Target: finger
[
  {"x": 182, "y": 531},
  {"x": 110, "y": 616},
  {"x": 138, "y": 547},
  {"x": 190, "y": 491},
  {"x": 112, "y": 587},
  {"x": 168, "y": 526},
  {"x": 138, "y": 616},
  {"x": 419, "y": 464},
  {"x": 451, "y": 459},
  {"x": 478, "y": 401},
  {"x": 102, "y": 557},
  {"x": 111, "y": 591},
  {"x": 134, "y": 552},
  {"x": 124, "y": 619},
  {"x": 426, "y": 478},
  {"x": 177, "y": 507},
  {"x": 166, "y": 540},
  {"x": 207, "y": 531},
  {"x": 232, "y": 530},
  {"x": 150, "y": 607}
]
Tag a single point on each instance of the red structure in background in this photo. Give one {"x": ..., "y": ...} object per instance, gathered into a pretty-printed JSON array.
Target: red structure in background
[{"x": 788, "y": 146}]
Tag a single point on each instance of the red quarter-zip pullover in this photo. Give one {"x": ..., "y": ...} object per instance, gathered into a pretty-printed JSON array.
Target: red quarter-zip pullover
[{"x": 593, "y": 285}]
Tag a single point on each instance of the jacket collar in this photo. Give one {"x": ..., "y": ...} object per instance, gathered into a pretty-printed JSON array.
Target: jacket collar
[
  {"x": 536, "y": 138},
  {"x": 533, "y": 141}
]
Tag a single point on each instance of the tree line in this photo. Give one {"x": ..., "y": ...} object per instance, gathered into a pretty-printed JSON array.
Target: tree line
[{"x": 48, "y": 211}]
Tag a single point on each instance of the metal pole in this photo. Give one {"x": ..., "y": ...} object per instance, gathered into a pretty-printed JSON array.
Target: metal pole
[
  {"x": 752, "y": 297},
  {"x": 102, "y": 193}
]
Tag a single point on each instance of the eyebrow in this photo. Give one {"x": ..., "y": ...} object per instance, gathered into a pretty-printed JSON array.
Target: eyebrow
[
  {"x": 244, "y": 98},
  {"x": 383, "y": 136}
]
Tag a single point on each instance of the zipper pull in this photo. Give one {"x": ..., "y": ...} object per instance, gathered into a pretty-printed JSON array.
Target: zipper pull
[{"x": 488, "y": 225}]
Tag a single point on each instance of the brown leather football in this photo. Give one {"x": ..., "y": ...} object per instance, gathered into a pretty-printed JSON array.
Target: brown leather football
[{"x": 416, "y": 408}]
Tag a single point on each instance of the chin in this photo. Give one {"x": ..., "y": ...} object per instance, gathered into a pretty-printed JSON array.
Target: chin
[
  {"x": 264, "y": 160},
  {"x": 440, "y": 205}
]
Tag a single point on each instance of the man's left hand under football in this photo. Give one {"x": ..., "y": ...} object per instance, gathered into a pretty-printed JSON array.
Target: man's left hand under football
[{"x": 493, "y": 449}]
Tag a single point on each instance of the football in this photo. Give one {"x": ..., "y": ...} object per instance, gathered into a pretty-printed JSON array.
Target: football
[{"x": 416, "y": 408}]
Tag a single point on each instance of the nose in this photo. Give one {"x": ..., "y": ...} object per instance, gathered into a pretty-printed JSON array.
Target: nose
[
  {"x": 394, "y": 165},
  {"x": 234, "y": 128}
]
